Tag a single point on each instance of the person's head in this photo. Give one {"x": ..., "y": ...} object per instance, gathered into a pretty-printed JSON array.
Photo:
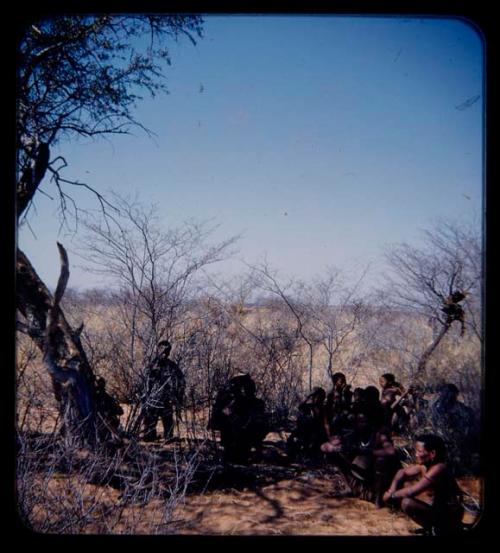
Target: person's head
[
  {"x": 363, "y": 422},
  {"x": 101, "y": 383},
  {"x": 243, "y": 385},
  {"x": 338, "y": 380},
  {"x": 387, "y": 380},
  {"x": 415, "y": 390},
  {"x": 358, "y": 394},
  {"x": 449, "y": 392},
  {"x": 429, "y": 449},
  {"x": 371, "y": 394},
  {"x": 164, "y": 347},
  {"x": 318, "y": 394}
]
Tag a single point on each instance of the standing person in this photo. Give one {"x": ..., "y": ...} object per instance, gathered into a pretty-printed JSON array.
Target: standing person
[
  {"x": 427, "y": 491},
  {"x": 165, "y": 393}
]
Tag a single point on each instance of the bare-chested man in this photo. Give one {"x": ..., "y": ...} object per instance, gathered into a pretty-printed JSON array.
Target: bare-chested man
[{"x": 427, "y": 491}]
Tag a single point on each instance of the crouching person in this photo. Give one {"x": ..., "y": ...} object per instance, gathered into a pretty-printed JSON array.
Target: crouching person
[
  {"x": 427, "y": 491},
  {"x": 241, "y": 419}
]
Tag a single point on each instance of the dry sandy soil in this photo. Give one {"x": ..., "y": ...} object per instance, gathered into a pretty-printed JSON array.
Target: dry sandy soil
[
  {"x": 291, "y": 500},
  {"x": 307, "y": 505}
]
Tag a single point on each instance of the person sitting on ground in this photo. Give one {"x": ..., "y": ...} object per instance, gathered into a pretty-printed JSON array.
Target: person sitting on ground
[
  {"x": 338, "y": 404},
  {"x": 373, "y": 460},
  {"x": 241, "y": 419},
  {"x": 310, "y": 432},
  {"x": 416, "y": 408},
  {"x": 358, "y": 397},
  {"x": 373, "y": 407},
  {"x": 391, "y": 389},
  {"x": 107, "y": 407},
  {"x": 427, "y": 491},
  {"x": 458, "y": 423}
]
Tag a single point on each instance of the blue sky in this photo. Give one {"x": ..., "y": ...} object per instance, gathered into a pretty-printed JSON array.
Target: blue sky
[{"x": 321, "y": 139}]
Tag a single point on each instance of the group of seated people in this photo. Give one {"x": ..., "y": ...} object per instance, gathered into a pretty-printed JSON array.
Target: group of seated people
[{"x": 353, "y": 431}]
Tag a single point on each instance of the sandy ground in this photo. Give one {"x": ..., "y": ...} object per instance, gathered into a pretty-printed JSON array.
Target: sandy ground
[
  {"x": 271, "y": 498},
  {"x": 307, "y": 505}
]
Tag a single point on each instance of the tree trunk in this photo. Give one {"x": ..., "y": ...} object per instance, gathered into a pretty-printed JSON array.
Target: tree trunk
[
  {"x": 31, "y": 178},
  {"x": 63, "y": 354},
  {"x": 422, "y": 364}
]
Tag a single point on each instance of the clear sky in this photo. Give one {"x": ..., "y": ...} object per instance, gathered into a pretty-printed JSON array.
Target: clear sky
[{"x": 320, "y": 138}]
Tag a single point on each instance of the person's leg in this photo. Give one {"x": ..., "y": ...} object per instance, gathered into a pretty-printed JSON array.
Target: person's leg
[
  {"x": 448, "y": 521},
  {"x": 167, "y": 420},
  {"x": 418, "y": 511},
  {"x": 150, "y": 420},
  {"x": 384, "y": 471}
]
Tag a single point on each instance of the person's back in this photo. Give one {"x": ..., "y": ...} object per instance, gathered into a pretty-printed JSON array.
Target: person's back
[
  {"x": 338, "y": 404},
  {"x": 107, "y": 405},
  {"x": 309, "y": 432},
  {"x": 372, "y": 407}
]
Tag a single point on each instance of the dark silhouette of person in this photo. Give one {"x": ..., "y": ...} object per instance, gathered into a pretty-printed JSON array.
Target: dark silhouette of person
[
  {"x": 338, "y": 405},
  {"x": 457, "y": 423},
  {"x": 241, "y": 419},
  {"x": 309, "y": 432},
  {"x": 391, "y": 389},
  {"x": 373, "y": 406},
  {"x": 374, "y": 460},
  {"x": 107, "y": 406},
  {"x": 164, "y": 394}
]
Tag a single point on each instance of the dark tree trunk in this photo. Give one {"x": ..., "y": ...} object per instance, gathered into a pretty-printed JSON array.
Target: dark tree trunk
[
  {"x": 63, "y": 354},
  {"x": 31, "y": 178}
]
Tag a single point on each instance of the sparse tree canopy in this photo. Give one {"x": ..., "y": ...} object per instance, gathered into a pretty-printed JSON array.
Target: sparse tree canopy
[{"x": 83, "y": 76}]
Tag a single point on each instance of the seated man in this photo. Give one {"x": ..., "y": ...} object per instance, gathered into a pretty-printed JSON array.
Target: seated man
[
  {"x": 416, "y": 408},
  {"x": 391, "y": 390},
  {"x": 338, "y": 404},
  {"x": 241, "y": 419},
  {"x": 372, "y": 406},
  {"x": 108, "y": 408},
  {"x": 310, "y": 432},
  {"x": 458, "y": 423},
  {"x": 427, "y": 491},
  {"x": 366, "y": 456}
]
